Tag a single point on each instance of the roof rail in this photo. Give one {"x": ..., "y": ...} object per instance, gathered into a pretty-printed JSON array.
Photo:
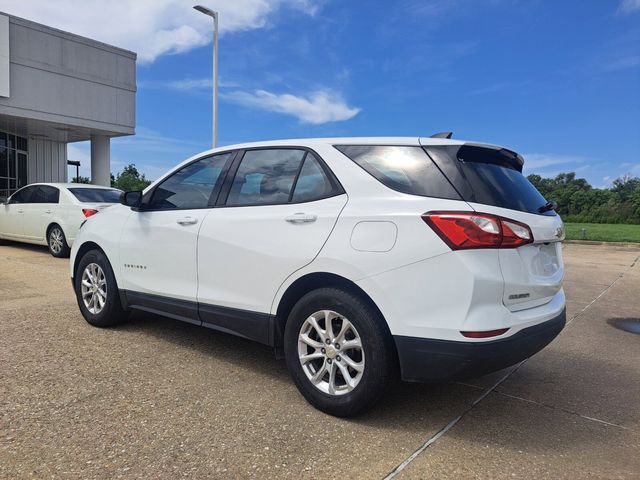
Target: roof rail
[{"x": 442, "y": 135}]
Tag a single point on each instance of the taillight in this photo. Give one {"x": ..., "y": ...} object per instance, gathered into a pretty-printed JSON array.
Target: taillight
[
  {"x": 89, "y": 212},
  {"x": 464, "y": 230}
]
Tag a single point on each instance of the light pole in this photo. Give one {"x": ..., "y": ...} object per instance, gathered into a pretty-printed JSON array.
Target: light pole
[{"x": 214, "y": 112}]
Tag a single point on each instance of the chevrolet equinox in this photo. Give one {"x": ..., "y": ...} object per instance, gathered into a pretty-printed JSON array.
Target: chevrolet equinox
[{"x": 357, "y": 259}]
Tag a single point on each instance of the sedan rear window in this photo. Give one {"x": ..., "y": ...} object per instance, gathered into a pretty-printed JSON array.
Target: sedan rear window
[
  {"x": 96, "y": 195},
  {"x": 405, "y": 169}
]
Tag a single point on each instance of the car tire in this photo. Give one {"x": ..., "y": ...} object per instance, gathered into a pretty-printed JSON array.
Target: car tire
[
  {"x": 306, "y": 359},
  {"x": 57, "y": 242},
  {"x": 97, "y": 291}
]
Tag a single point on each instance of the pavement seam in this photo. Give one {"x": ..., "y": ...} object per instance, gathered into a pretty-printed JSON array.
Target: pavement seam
[
  {"x": 453, "y": 422},
  {"x": 546, "y": 405},
  {"x": 447, "y": 427},
  {"x": 620, "y": 275}
]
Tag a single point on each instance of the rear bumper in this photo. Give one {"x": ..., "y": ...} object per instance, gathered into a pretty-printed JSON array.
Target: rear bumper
[{"x": 429, "y": 360}]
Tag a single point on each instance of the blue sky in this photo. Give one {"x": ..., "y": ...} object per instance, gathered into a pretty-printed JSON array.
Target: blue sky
[{"x": 558, "y": 81}]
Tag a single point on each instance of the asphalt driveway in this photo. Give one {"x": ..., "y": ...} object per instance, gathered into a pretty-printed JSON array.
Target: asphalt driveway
[{"x": 162, "y": 399}]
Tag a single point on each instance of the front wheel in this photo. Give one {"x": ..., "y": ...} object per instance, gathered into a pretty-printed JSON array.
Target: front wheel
[
  {"x": 338, "y": 351},
  {"x": 97, "y": 292},
  {"x": 57, "y": 242}
]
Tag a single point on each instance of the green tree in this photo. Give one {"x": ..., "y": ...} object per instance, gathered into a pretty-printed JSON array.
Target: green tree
[
  {"x": 129, "y": 179},
  {"x": 80, "y": 179},
  {"x": 580, "y": 202}
]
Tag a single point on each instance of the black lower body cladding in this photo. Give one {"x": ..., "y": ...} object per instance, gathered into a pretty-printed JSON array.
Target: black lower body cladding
[{"x": 428, "y": 360}]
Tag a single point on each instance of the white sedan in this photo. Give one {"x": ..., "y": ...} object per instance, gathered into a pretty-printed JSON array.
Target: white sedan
[{"x": 51, "y": 213}]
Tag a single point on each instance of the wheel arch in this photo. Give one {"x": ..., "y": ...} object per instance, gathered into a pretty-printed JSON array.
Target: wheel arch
[
  {"x": 84, "y": 248},
  {"x": 50, "y": 226},
  {"x": 308, "y": 283}
]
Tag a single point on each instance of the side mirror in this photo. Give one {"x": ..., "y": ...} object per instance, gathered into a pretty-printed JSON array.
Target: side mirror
[{"x": 131, "y": 199}]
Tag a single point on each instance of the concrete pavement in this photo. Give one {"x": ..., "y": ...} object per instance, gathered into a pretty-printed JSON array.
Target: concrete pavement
[{"x": 160, "y": 399}]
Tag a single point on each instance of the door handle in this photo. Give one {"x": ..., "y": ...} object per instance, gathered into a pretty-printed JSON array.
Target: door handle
[
  {"x": 47, "y": 211},
  {"x": 21, "y": 211},
  {"x": 301, "y": 218},
  {"x": 187, "y": 221}
]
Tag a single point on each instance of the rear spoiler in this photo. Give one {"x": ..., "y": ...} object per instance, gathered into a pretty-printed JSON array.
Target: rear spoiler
[{"x": 500, "y": 155}]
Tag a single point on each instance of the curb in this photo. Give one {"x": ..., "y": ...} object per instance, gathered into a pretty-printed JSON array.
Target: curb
[{"x": 599, "y": 242}]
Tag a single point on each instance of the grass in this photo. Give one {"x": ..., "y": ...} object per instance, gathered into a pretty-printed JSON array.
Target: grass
[{"x": 603, "y": 232}]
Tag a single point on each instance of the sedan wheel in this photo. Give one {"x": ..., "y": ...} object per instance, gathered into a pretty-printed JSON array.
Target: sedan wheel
[
  {"x": 57, "y": 242},
  {"x": 94, "y": 288}
]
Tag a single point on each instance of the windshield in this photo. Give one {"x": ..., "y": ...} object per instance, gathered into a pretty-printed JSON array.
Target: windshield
[{"x": 96, "y": 195}]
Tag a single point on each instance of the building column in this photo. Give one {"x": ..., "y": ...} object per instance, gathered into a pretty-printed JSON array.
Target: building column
[{"x": 101, "y": 160}]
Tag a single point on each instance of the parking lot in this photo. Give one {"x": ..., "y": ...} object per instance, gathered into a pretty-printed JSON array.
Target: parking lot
[{"x": 162, "y": 399}]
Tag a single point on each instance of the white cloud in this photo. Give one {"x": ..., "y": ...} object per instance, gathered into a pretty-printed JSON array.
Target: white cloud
[
  {"x": 191, "y": 84},
  {"x": 319, "y": 107},
  {"x": 541, "y": 161},
  {"x": 628, "y": 6},
  {"x": 623, "y": 63},
  {"x": 428, "y": 8},
  {"x": 186, "y": 84},
  {"x": 151, "y": 28}
]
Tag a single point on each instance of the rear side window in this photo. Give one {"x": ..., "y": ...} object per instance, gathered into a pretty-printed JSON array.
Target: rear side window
[
  {"x": 405, "y": 169},
  {"x": 313, "y": 183},
  {"x": 489, "y": 176},
  {"x": 45, "y": 194},
  {"x": 96, "y": 195},
  {"x": 265, "y": 177}
]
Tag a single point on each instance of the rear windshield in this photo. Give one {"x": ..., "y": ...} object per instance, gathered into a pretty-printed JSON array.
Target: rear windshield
[
  {"x": 404, "y": 169},
  {"x": 489, "y": 176},
  {"x": 96, "y": 195}
]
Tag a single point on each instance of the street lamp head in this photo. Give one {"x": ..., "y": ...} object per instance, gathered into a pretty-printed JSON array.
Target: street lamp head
[{"x": 206, "y": 11}]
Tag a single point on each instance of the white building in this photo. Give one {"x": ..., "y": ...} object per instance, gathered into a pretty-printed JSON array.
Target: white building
[{"x": 57, "y": 88}]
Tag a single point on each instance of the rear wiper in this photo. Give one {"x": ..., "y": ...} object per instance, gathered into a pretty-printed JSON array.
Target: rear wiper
[{"x": 548, "y": 206}]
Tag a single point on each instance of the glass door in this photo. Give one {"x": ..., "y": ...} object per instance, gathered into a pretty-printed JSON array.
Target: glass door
[
  {"x": 13, "y": 164},
  {"x": 4, "y": 167}
]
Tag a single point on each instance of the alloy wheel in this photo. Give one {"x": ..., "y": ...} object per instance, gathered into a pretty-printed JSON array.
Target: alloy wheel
[
  {"x": 331, "y": 353},
  {"x": 56, "y": 240},
  {"x": 94, "y": 288}
]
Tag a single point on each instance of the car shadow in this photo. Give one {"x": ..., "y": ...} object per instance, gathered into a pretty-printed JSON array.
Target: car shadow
[
  {"x": 630, "y": 325},
  {"x": 410, "y": 407},
  {"x": 405, "y": 406},
  {"x": 28, "y": 247}
]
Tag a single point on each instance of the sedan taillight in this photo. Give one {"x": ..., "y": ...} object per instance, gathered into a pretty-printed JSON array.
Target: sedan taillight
[
  {"x": 464, "y": 230},
  {"x": 89, "y": 212}
]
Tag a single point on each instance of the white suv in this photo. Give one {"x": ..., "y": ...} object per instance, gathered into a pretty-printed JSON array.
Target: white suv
[{"x": 356, "y": 258}]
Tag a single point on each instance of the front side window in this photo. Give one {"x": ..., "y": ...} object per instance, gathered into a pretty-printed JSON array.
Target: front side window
[
  {"x": 265, "y": 177},
  {"x": 22, "y": 196},
  {"x": 190, "y": 187}
]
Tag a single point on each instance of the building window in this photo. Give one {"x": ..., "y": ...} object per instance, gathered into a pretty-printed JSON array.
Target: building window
[{"x": 13, "y": 163}]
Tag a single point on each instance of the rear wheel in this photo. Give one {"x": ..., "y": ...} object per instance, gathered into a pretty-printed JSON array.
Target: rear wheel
[
  {"x": 338, "y": 351},
  {"x": 97, "y": 292},
  {"x": 57, "y": 242}
]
